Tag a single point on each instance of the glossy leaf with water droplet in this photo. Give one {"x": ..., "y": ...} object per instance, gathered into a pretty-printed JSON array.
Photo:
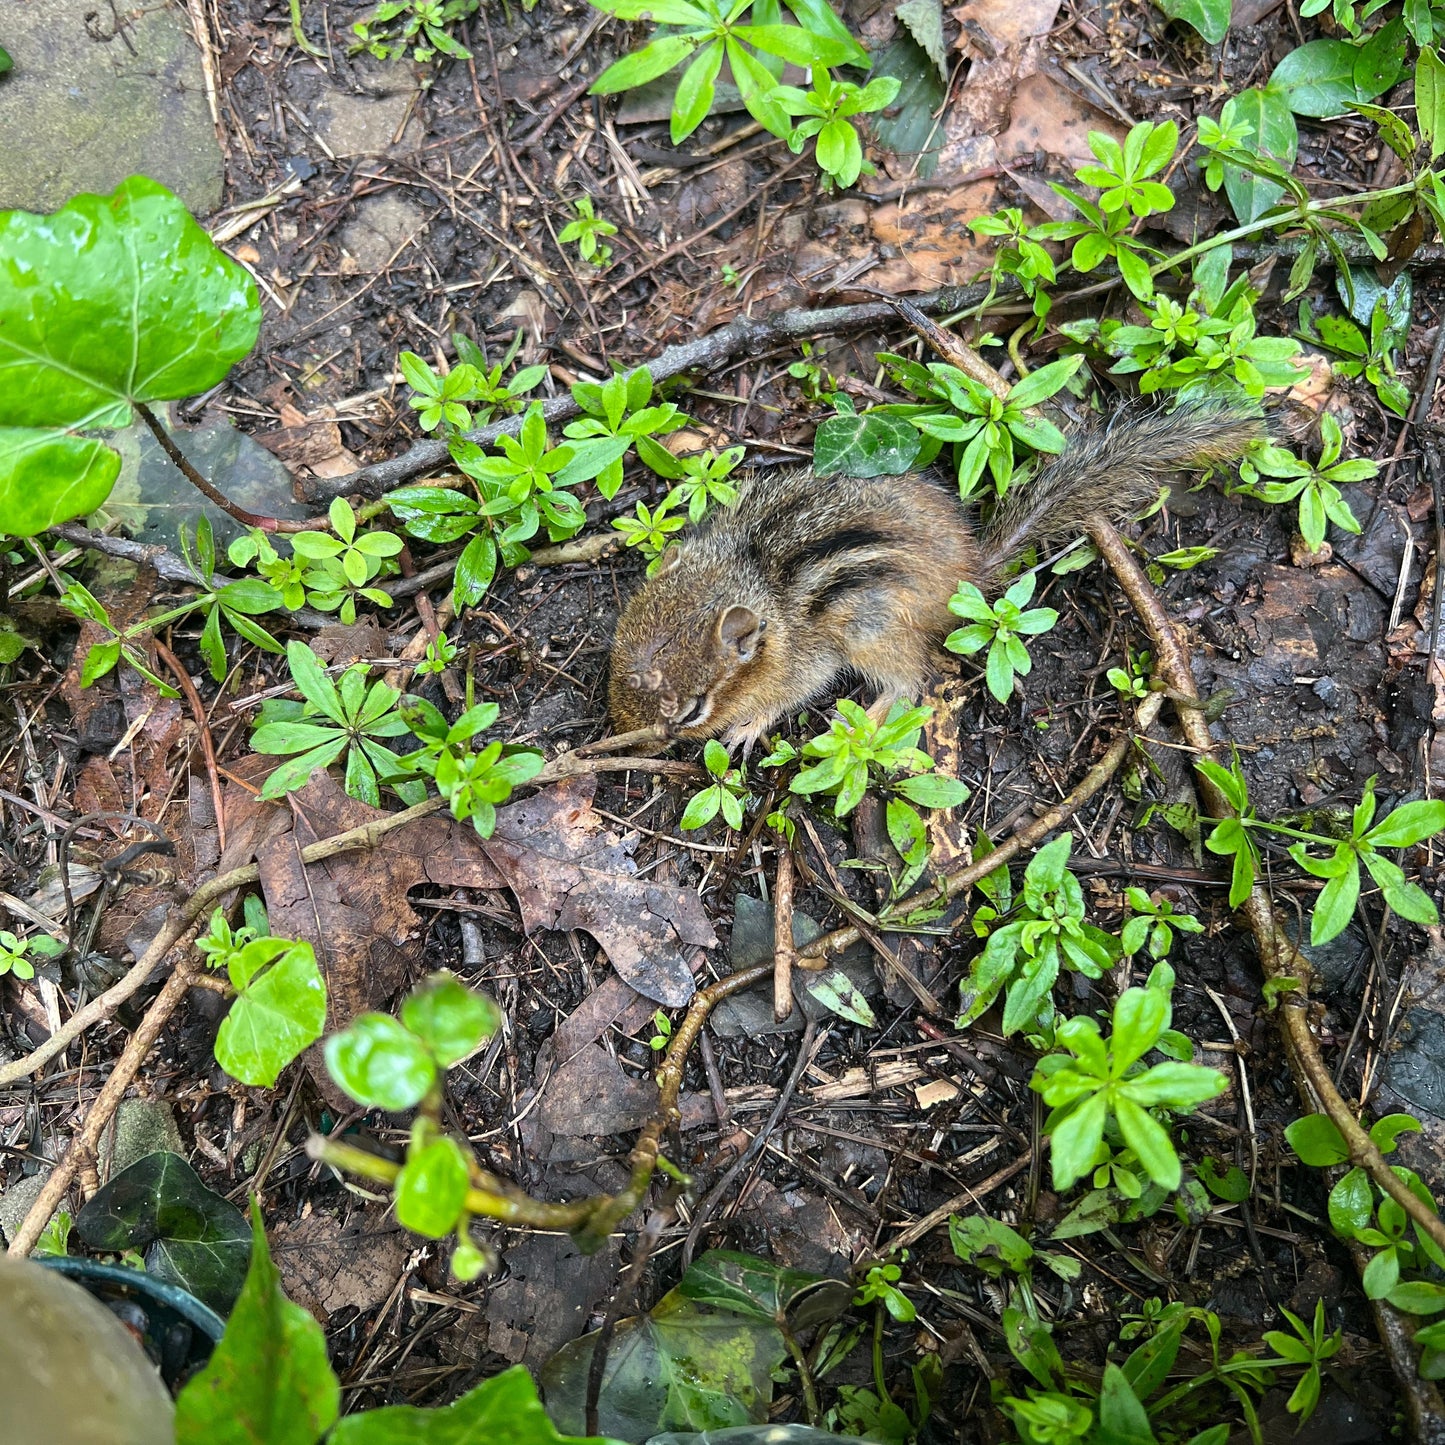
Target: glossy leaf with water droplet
[{"x": 110, "y": 300}]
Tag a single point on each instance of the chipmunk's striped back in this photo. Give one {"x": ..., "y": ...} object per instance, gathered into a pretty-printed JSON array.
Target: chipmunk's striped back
[
  {"x": 759, "y": 611},
  {"x": 804, "y": 578}
]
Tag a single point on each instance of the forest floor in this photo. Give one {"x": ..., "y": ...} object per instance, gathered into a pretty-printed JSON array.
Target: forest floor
[{"x": 385, "y": 206}]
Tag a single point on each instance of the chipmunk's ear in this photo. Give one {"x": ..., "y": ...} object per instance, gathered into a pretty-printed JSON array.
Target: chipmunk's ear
[
  {"x": 668, "y": 561},
  {"x": 740, "y": 631}
]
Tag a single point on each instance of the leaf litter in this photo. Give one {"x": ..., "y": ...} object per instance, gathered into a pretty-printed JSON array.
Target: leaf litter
[{"x": 557, "y": 867}]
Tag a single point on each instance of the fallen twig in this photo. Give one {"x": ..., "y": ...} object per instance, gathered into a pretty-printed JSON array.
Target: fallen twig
[
  {"x": 1282, "y": 961},
  {"x": 742, "y": 336},
  {"x": 598, "y": 1215},
  {"x": 203, "y": 730},
  {"x": 1278, "y": 956},
  {"x": 784, "y": 950}
]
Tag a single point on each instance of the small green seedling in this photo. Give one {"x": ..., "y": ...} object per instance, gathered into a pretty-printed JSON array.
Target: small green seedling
[
  {"x": 1106, "y": 229},
  {"x": 419, "y": 25},
  {"x": 661, "y": 1032},
  {"x": 827, "y": 110},
  {"x": 1132, "y": 680},
  {"x": 345, "y": 717},
  {"x": 1025, "y": 953},
  {"x": 880, "y": 1286},
  {"x": 817, "y": 383},
  {"x": 441, "y": 652},
  {"x": 1407, "y": 825},
  {"x": 839, "y": 762},
  {"x": 703, "y": 32},
  {"x": 473, "y": 782},
  {"x": 984, "y": 430},
  {"x": 16, "y": 953},
  {"x": 620, "y": 414},
  {"x": 469, "y": 394},
  {"x": 1153, "y": 924},
  {"x": 1001, "y": 628},
  {"x": 1098, "y": 1080},
  {"x": 650, "y": 530},
  {"x": 727, "y": 794},
  {"x": 280, "y": 1006},
  {"x": 701, "y": 480},
  {"x": 1372, "y": 356},
  {"x": 346, "y": 564},
  {"x": 587, "y": 231},
  {"x": 1316, "y": 487},
  {"x": 1309, "y": 1346},
  {"x": 1020, "y": 256}
]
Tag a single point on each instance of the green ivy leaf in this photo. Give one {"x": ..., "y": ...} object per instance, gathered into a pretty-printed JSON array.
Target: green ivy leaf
[
  {"x": 1318, "y": 79},
  {"x": 188, "y": 1235},
  {"x": 449, "y": 1018},
  {"x": 1430, "y": 100},
  {"x": 1274, "y": 134},
  {"x": 503, "y": 1410},
  {"x": 1209, "y": 17},
  {"x": 109, "y": 301},
  {"x": 873, "y": 444},
  {"x": 431, "y": 1188},
  {"x": 1317, "y": 1141},
  {"x": 268, "y": 1381},
  {"x": 280, "y": 1011}
]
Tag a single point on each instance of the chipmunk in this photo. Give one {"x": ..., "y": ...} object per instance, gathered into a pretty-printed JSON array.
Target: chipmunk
[{"x": 756, "y": 613}]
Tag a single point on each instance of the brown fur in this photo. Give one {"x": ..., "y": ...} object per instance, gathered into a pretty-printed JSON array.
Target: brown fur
[{"x": 753, "y": 615}]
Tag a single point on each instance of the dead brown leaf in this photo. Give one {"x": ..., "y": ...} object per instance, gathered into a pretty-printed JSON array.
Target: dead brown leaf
[
  {"x": 568, "y": 871},
  {"x": 341, "y": 644},
  {"x": 549, "y": 1294},
  {"x": 309, "y": 443},
  {"x": 353, "y": 908},
  {"x": 327, "y": 1264},
  {"x": 589, "y": 1094},
  {"x": 1049, "y": 118},
  {"x": 929, "y": 231},
  {"x": 552, "y": 851},
  {"x": 1003, "y": 22}
]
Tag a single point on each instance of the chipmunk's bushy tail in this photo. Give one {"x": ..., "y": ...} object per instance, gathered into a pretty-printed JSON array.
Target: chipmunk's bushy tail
[{"x": 1117, "y": 469}]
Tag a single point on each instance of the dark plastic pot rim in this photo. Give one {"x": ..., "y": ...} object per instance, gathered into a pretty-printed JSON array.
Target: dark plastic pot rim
[{"x": 87, "y": 1271}]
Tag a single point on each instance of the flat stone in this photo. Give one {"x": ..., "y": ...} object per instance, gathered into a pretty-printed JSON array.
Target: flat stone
[
  {"x": 15, "y": 1201},
  {"x": 382, "y": 226},
  {"x": 84, "y": 107},
  {"x": 366, "y": 125},
  {"x": 140, "y": 1127},
  {"x": 750, "y": 1014}
]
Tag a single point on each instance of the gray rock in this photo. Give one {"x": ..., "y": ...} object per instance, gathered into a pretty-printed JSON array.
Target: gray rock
[
  {"x": 368, "y": 124},
  {"x": 140, "y": 1127},
  {"x": 1413, "y": 1068},
  {"x": 382, "y": 226},
  {"x": 750, "y": 1014},
  {"x": 15, "y": 1201},
  {"x": 82, "y": 113}
]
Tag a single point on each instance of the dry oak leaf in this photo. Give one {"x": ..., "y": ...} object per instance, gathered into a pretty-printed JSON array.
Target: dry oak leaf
[
  {"x": 327, "y": 1265},
  {"x": 309, "y": 443},
  {"x": 567, "y": 871}
]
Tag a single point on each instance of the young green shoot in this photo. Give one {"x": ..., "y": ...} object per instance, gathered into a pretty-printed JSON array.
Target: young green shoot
[
  {"x": 1000, "y": 627},
  {"x": 726, "y": 794}
]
